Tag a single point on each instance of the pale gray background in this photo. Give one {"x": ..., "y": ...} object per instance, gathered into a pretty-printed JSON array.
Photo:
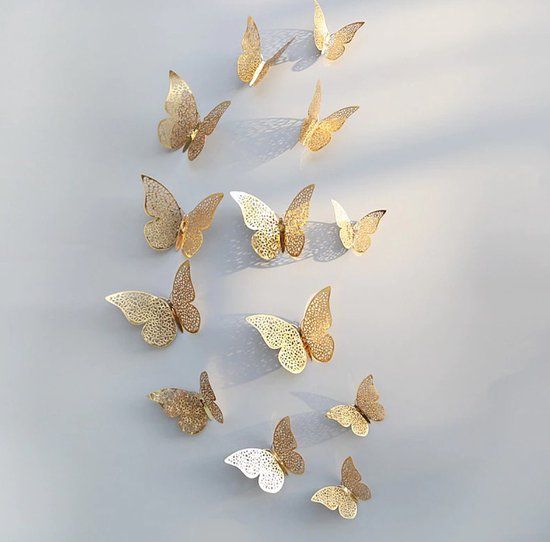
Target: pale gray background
[{"x": 448, "y": 309}]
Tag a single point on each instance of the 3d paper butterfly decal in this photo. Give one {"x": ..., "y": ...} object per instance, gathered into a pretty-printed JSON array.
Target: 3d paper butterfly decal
[
  {"x": 345, "y": 496},
  {"x": 274, "y": 234},
  {"x": 170, "y": 225},
  {"x": 356, "y": 235},
  {"x": 332, "y": 45},
  {"x": 297, "y": 345},
  {"x": 183, "y": 127},
  {"x": 251, "y": 66},
  {"x": 366, "y": 410},
  {"x": 193, "y": 409},
  {"x": 315, "y": 133},
  {"x": 160, "y": 317},
  {"x": 271, "y": 466}
]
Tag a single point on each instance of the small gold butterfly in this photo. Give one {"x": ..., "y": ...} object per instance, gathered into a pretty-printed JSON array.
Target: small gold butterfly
[
  {"x": 170, "y": 225},
  {"x": 183, "y": 127},
  {"x": 366, "y": 410},
  {"x": 251, "y": 66},
  {"x": 193, "y": 409},
  {"x": 345, "y": 496},
  {"x": 356, "y": 235},
  {"x": 332, "y": 45},
  {"x": 274, "y": 234},
  {"x": 271, "y": 466},
  {"x": 298, "y": 344},
  {"x": 315, "y": 133},
  {"x": 160, "y": 317}
]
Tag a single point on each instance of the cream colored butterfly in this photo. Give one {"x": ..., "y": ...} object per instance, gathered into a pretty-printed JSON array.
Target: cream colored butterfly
[
  {"x": 356, "y": 235},
  {"x": 310, "y": 341},
  {"x": 332, "y": 45},
  {"x": 251, "y": 66},
  {"x": 366, "y": 409},
  {"x": 274, "y": 234},
  {"x": 345, "y": 496},
  {"x": 271, "y": 466},
  {"x": 315, "y": 133}
]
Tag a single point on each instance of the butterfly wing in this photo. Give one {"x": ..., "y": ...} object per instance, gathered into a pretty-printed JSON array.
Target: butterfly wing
[
  {"x": 251, "y": 57},
  {"x": 334, "y": 497},
  {"x": 183, "y": 116},
  {"x": 322, "y": 133},
  {"x": 295, "y": 219},
  {"x": 364, "y": 228},
  {"x": 352, "y": 480},
  {"x": 284, "y": 445},
  {"x": 343, "y": 221},
  {"x": 336, "y": 44},
  {"x": 209, "y": 397},
  {"x": 198, "y": 220},
  {"x": 367, "y": 400},
  {"x": 140, "y": 308},
  {"x": 279, "y": 334},
  {"x": 271, "y": 62},
  {"x": 184, "y": 405},
  {"x": 315, "y": 324},
  {"x": 181, "y": 297},
  {"x": 320, "y": 30},
  {"x": 206, "y": 127},
  {"x": 312, "y": 114},
  {"x": 259, "y": 217},
  {"x": 349, "y": 416},
  {"x": 253, "y": 462}
]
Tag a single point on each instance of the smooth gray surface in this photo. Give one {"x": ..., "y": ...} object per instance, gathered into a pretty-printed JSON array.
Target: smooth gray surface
[{"x": 448, "y": 309}]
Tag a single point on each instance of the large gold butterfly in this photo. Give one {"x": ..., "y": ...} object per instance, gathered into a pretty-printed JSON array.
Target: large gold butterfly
[
  {"x": 315, "y": 133},
  {"x": 332, "y": 45},
  {"x": 183, "y": 127},
  {"x": 345, "y": 496},
  {"x": 251, "y": 66},
  {"x": 193, "y": 409},
  {"x": 367, "y": 409},
  {"x": 170, "y": 225},
  {"x": 274, "y": 234},
  {"x": 356, "y": 235},
  {"x": 160, "y": 317},
  {"x": 271, "y": 466},
  {"x": 297, "y": 345}
]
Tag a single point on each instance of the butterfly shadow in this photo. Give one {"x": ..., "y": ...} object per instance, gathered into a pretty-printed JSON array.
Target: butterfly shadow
[{"x": 302, "y": 51}]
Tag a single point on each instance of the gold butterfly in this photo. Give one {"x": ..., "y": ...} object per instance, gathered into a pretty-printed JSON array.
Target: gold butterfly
[
  {"x": 183, "y": 127},
  {"x": 345, "y": 496},
  {"x": 271, "y": 466},
  {"x": 315, "y": 133},
  {"x": 160, "y": 317},
  {"x": 332, "y": 45},
  {"x": 356, "y": 235},
  {"x": 251, "y": 66},
  {"x": 193, "y": 409},
  {"x": 170, "y": 225},
  {"x": 298, "y": 344},
  {"x": 274, "y": 234},
  {"x": 366, "y": 410}
]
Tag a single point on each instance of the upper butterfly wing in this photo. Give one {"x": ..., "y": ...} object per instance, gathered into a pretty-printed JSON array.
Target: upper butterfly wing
[
  {"x": 279, "y": 334},
  {"x": 352, "y": 480},
  {"x": 210, "y": 397},
  {"x": 349, "y": 416},
  {"x": 284, "y": 444},
  {"x": 259, "y": 217},
  {"x": 312, "y": 114},
  {"x": 182, "y": 404},
  {"x": 159, "y": 326},
  {"x": 254, "y": 462},
  {"x": 161, "y": 232},
  {"x": 295, "y": 219},
  {"x": 271, "y": 62},
  {"x": 334, "y": 497},
  {"x": 181, "y": 297},
  {"x": 169, "y": 399},
  {"x": 336, "y": 44},
  {"x": 347, "y": 232},
  {"x": 251, "y": 56},
  {"x": 206, "y": 127},
  {"x": 364, "y": 228},
  {"x": 367, "y": 400},
  {"x": 320, "y": 30},
  {"x": 322, "y": 134},
  {"x": 315, "y": 324}
]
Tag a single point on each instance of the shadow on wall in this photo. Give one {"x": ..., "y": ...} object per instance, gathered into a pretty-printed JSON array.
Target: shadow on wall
[{"x": 301, "y": 51}]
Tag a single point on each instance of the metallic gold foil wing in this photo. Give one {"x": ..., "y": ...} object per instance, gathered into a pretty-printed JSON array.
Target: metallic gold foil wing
[
  {"x": 209, "y": 398},
  {"x": 190, "y": 238},
  {"x": 312, "y": 117},
  {"x": 336, "y": 497},
  {"x": 295, "y": 219},
  {"x": 183, "y": 116},
  {"x": 259, "y": 217},
  {"x": 251, "y": 58},
  {"x": 279, "y": 334},
  {"x": 284, "y": 446},
  {"x": 352, "y": 480},
  {"x": 321, "y": 134},
  {"x": 161, "y": 232},
  {"x": 254, "y": 462},
  {"x": 349, "y": 416},
  {"x": 315, "y": 324},
  {"x": 367, "y": 400},
  {"x": 343, "y": 221},
  {"x": 205, "y": 128},
  {"x": 154, "y": 313},
  {"x": 364, "y": 228},
  {"x": 181, "y": 297},
  {"x": 336, "y": 45},
  {"x": 321, "y": 35}
]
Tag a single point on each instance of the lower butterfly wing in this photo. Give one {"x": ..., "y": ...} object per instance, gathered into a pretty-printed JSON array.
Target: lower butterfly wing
[
  {"x": 322, "y": 134},
  {"x": 154, "y": 313},
  {"x": 181, "y": 297},
  {"x": 295, "y": 219},
  {"x": 251, "y": 57},
  {"x": 334, "y": 497},
  {"x": 209, "y": 397},
  {"x": 320, "y": 30},
  {"x": 254, "y": 462},
  {"x": 284, "y": 445},
  {"x": 364, "y": 228},
  {"x": 367, "y": 400},
  {"x": 206, "y": 127},
  {"x": 336, "y": 44},
  {"x": 352, "y": 480},
  {"x": 315, "y": 325},
  {"x": 343, "y": 221},
  {"x": 349, "y": 416},
  {"x": 279, "y": 334},
  {"x": 198, "y": 220},
  {"x": 259, "y": 217},
  {"x": 312, "y": 114}
]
